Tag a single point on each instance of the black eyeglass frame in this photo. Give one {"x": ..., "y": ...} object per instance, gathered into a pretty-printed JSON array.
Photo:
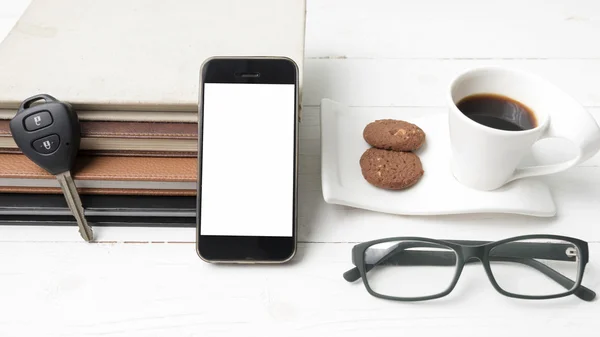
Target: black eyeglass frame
[{"x": 466, "y": 251}]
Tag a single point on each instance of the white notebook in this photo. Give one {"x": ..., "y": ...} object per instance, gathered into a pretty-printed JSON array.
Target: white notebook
[{"x": 138, "y": 60}]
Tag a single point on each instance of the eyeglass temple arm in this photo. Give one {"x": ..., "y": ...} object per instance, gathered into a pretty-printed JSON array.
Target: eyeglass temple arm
[
  {"x": 533, "y": 250},
  {"x": 354, "y": 274},
  {"x": 438, "y": 258}
]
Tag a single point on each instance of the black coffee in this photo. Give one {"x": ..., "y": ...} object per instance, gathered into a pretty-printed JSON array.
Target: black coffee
[{"x": 498, "y": 112}]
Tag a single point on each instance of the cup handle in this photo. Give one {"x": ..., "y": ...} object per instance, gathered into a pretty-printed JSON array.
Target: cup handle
[{"x": 581, "y": 129}]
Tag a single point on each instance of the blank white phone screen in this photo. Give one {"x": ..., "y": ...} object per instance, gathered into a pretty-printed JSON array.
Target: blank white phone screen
[{"x": 248, "y": 160}]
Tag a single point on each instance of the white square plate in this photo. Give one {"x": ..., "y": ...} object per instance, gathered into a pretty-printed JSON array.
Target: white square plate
[{"x": 436, "y": 193}]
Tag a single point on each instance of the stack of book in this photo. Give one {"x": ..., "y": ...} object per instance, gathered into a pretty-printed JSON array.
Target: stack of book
[{"x": 130, "y": 69}]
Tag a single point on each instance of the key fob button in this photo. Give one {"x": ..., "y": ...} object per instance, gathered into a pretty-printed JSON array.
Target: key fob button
[
  {"x": 38, "y": 120},
  {"x": 46, "y": 145}
]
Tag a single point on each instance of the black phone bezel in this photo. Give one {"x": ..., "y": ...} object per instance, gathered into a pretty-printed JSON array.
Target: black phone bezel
[{"x": 247, "y": 249}]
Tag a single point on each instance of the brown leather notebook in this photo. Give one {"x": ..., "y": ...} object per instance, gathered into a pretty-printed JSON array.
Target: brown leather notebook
[
  {"x": 126, "y": 138},
  {"x": 104, "y": 175},
  {"x": 100, "y": 191}
]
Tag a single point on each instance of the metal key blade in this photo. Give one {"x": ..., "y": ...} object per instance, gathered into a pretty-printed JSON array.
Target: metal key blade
[{"x": 72, "y": 196}]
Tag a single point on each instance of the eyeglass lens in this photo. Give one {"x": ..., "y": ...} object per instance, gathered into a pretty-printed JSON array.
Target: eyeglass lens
[
  {"x": 524, "y": 267},
  {"x": 409, "y": 269}
]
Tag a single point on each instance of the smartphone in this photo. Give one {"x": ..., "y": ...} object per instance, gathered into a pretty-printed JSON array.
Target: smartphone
[{"x": 247, "y": 160}]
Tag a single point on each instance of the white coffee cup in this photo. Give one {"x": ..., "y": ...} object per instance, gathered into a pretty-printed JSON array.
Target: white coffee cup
[{"x": 486, "y": 158}]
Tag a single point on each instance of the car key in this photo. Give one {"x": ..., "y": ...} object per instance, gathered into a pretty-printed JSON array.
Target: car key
[{"x": 49, "y": 134}]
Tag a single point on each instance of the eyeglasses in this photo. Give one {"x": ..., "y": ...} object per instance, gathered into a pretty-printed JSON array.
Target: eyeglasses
[{"x": 417, "y": 269}]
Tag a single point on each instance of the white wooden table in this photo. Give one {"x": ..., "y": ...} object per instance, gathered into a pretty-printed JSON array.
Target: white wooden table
[{"x": 397, "y": 55}]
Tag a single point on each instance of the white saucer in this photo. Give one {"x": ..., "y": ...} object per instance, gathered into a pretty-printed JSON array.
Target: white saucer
[{"x": 436, "y": 193}]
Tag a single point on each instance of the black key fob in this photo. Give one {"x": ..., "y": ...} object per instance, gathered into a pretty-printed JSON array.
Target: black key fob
[{"x": 47, "y": 133}]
